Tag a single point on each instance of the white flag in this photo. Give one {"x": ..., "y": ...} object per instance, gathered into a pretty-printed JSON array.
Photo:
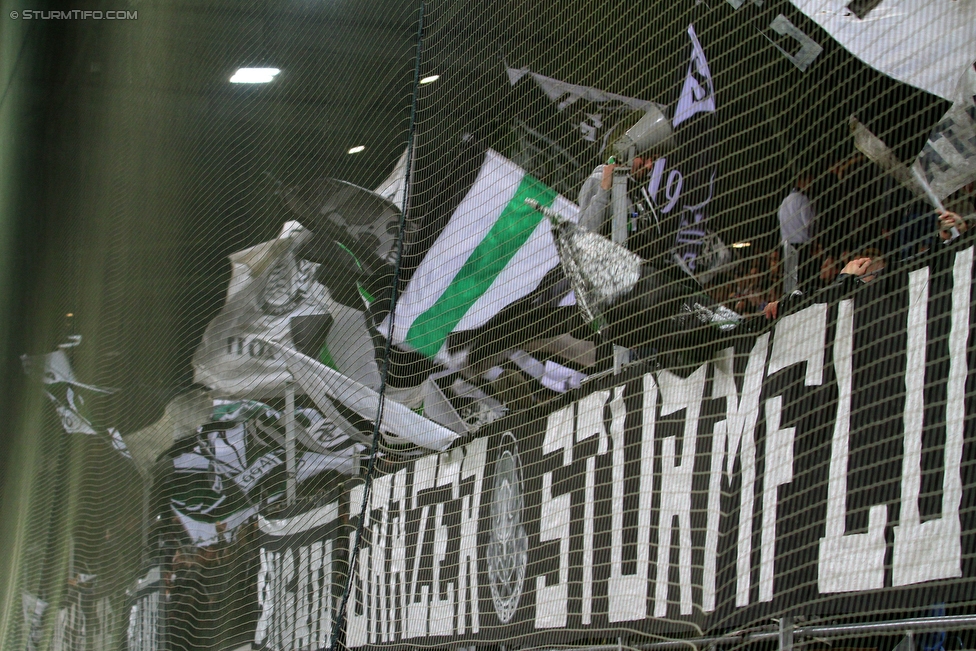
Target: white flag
[
  {"x": 323, "y": 384},
  {"x": 923, "y": 43}
]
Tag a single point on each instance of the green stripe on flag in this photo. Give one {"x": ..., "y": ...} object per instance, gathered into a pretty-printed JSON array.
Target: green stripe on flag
[{"x": 512, "y": 229}]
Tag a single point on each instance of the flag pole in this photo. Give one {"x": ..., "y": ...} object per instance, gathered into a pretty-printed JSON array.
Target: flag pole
[
  {"x": 618, "y": 196},
  {"x": 290, "y": 492},
  {"x": 618, "y": 234}
]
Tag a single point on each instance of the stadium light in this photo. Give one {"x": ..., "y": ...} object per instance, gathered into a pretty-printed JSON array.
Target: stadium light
[
  {"x": 254, "y": 75},
  {"x": 741, "y": 245}
]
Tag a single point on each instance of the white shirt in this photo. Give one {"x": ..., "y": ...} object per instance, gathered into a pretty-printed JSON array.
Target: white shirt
[{"x": 796, "y": 217}]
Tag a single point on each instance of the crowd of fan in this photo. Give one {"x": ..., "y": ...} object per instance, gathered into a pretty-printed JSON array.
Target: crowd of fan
[
  {"x": 850, "y": 212},
  {"x": 850, "y": 222},
  {"x": 843, "y": 221}
]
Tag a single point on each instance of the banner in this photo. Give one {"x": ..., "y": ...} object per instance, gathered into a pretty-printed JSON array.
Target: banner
[
  {"x": 274, "y": 295},
  {"x": 300, "y": 580},
  {"x": 145, "y": 630},
  {"x": 562, "y": 129},
  {"x": 683, "y": 197},
  {"x": 820, "y": 467},
  {"x": 323, "y": 385},
  {"x": 67, "y": 394},
  {"x": 921, "y": 43},
  {"x": 236, "y": 463}
]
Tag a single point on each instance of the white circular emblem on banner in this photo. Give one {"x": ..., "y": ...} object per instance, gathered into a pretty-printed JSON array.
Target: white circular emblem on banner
[{"x": 508, "y": 543}]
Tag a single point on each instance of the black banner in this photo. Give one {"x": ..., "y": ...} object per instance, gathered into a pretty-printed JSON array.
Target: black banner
[
  {"x": 824, "y": 466},
  {"x": 301, "y": 578}
]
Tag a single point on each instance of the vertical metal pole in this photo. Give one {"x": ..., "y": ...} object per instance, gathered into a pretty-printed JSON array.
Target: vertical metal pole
[
  {"x": 290, "y": 482},
  {"x": 71, "y": 557},
  {"x": 786, "y": 633},
  {"x": 620, "y": 207},
  {"x": 146, "y": 524}
]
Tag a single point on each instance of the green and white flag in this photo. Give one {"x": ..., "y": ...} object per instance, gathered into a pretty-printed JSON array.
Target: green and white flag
[{"x": 491, "y": 250}]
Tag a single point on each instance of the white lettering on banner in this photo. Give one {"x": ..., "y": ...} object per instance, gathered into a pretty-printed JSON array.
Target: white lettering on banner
[
  {"x": 724, "y": 369},
  {"x": 251, "y": 346},
  {"x": 677, "y": 395},
  {"x": 551, "y": 600},
  {"x": 253, "y": 474},
  {"x": 442, "y": 610},
  {"x": 809, "y": 48},
  {"x": 379, "y": 499},
  {"x": 418, "y": 572},
  {"x": 692, "y": 225},
  {"x": 144, "y": 627},
  {"x": 779, "y": 471},
  {"x": 672, "y": 189},
  {"x": 357, "y": 623},
  {"x": 265, "y": 600},
  {"x": 740, "y": 425},
  {"x": 390, "y": 599},
  {"x": 925, "y": 551},
  {"x": 848, "y": 562},
  {"x": 799, "y": 339},
  {"x": 398, "y": 545},
  {"x": 590, "y": 424},
  {"x": 418, "y": 602},
  {"x": 475, "y": 460},
  {"x": 627, "y": 594},
  {"x": 287, "y": 614}
]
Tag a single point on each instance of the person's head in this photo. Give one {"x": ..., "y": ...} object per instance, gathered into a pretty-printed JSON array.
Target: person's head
[
  {"x": 642, "y": 165},
  {"x": 804, "y": 181}
]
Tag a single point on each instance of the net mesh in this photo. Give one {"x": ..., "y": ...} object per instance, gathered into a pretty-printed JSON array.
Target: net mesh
[{"x": 299, "y": 363}]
